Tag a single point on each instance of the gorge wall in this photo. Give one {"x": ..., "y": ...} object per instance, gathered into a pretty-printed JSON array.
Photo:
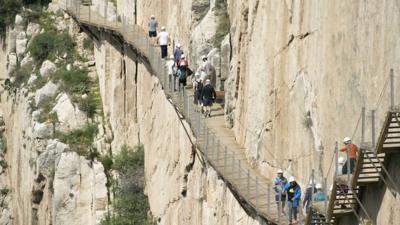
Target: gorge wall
[{"x": 297, "y": 74}]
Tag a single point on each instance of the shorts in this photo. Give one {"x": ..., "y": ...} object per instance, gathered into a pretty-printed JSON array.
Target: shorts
[
  {"x": 183, "y": 80},
  {"x": 283, "y": 198},
  {"x": 207, "y": 102},
  {"x": 152, "y": 33}
]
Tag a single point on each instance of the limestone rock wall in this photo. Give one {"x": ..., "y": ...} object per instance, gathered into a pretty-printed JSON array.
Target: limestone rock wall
[
  {"x": 180, "y": 189},
  {"x": 42, "y": 180}
]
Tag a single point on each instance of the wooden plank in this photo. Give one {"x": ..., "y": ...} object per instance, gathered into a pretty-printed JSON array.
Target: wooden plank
[{"x": 383, "y": 133}]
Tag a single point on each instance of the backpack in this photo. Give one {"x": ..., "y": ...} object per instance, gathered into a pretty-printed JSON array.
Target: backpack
[{"x": 200, "y": 86}]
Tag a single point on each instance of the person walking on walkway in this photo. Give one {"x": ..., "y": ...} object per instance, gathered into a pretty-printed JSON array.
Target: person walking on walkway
[
  {"x": 293, "y": 191},
  {"x": 352, "y": 154},
  {"x": 178, "y": 52},
  {"x": 198, "y": 88},
  {"x": 207, "y": 71},
  {"x": 171, "y": 68},
  {"x": 310, "y": 190},
  {"x": 183, "y": 66},
  {"x": 319, "y": 195},
  {"x": 208, "y": 96},
  {"x": 280, "y": 195},
  {"x": 152, "y": 24},
  {"x": 163, "y": 40}
]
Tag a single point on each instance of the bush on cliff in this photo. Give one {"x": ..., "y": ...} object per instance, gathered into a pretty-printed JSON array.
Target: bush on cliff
[{"x": 130, "y": 205}]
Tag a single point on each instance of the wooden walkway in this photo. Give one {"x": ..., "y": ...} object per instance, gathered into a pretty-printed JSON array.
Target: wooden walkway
[{"x": 214, "y": 140}]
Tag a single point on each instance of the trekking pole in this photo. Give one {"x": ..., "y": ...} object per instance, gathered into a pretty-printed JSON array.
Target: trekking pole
[{"x": 391, "y": 90}]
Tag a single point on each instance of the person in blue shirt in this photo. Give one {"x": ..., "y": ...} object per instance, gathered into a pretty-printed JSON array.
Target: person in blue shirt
[
  {"x": 319, "y": 196},
  {"x": 293, "y": 191},
  {"x": 280, "y": 196}
]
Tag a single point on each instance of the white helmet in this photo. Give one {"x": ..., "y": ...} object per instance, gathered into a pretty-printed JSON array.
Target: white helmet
[
  {"x": 291, "y": 179},
  {"x": 171, "y": 57},
  {"x": 203, "y": 57},
  {"x": 279, "y": 171},
  {"x": 153, "y": 16},
  {"x": 208, "y": 81},
  {"x": 341, "y": 160},
  {"x": 346, "y": 140},
  {"x": 318, "y": 186},
  {"x": 163, "y": 28},
  {"x": 182, "y": 56},
  {"x": 178, "y": 45}
]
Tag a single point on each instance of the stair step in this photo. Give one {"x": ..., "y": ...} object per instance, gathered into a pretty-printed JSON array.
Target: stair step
[{"x": 392, "y": 137}]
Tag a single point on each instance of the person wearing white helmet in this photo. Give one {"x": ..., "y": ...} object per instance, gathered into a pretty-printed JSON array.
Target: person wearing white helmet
[
  {"x": 178, "y": 52},
  {"x": 208, "y": 96},
  {"x": 351, "y": 151},
  {"x": 183, "y": 66},
  {"x": 293, "y": 191},
  {"x": 163, "y": 40},
  {"x": 280, "y": 182},
  {"x": 152, "y": 25},
  {"x": 198, "y": 88},
  {"x": 340, "y": 165},
  {"x": 171, "y": 68},
  {"x": 207, "y": 71},
  {"x": 319, "y": 195}
]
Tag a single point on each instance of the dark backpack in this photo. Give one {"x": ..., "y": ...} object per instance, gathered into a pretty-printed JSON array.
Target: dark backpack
[{"x": 200, "y": 86}]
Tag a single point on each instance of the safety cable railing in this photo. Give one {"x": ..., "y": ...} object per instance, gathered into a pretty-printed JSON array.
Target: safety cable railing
[
  {"x": 365, "y": 135},
  {"x": 251, "y": 187}
]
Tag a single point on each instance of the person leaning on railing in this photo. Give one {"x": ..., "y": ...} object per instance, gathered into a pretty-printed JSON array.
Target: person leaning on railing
[{"x": 353, "y": 152}]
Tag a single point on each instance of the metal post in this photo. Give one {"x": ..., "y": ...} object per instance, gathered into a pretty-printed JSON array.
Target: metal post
[
  {"x": 336, "y": 159},
  {"x": 362, "y": 125},
  {"x": 256, "y": 194},
  {"x": 391, "y": 89},
  {"x": 373, "y": 128}
]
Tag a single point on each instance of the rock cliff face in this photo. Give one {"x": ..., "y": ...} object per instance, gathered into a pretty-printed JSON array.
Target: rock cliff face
[{"x": 42, "y": 180}]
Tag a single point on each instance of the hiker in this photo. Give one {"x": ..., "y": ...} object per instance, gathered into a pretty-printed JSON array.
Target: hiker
[
  {"x": 152, "y": 27},
  {"x": 310, "y": 190},
  {"x": 319, "y": 195},
  {"x": 293, "y": 191},
  {"x": 183, "y": 66},
  {"x": 171, "y": 68},
  {"x": 198, "y": 87},
  {"x": 280, "y": 196},
  {"x": 352, "y": 154},
  {"x": 340, "y": 165},
  {"x": 178, "y": 52},
  {"x": 208, "y": 96},
  {"x": 207, "y": 71},
  {"x": 163, "y": 40}
]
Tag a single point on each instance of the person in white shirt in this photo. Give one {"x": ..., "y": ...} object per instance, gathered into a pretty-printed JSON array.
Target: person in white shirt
[
  {"x": 163, "y": 40},
  {"x": 171, "y": 68}
]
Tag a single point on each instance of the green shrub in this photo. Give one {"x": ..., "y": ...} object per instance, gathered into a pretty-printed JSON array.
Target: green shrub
[
  {"x": 42, "y": 46},
  {"x": 223, "y": 27},
  {"x": 3, "y": 144},
  {"x": 3, "y": 164},
  {"x": 75, "y": 81},
  {"x": 8, "y": 10},
  {"x": 21, "y": 75},
  {"x": 4, "y": 191},
  {"x": 88, "y": 44},
  {"x": 89, "y": 105},
  {"x": 130, "y": 205},
  {"x": 46, "y": 105},
  {"x": 49, "y": 45},
  {"x": 80, "y": 140}
]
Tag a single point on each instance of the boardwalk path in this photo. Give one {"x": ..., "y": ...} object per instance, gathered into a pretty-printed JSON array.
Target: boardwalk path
[{"x": 214, "y": 140}]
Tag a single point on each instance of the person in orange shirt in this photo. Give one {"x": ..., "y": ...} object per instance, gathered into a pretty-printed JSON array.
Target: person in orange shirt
[{"x": 352, "y": 154}]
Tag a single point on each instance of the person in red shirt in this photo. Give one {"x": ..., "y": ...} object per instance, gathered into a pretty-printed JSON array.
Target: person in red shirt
[{"x": 353, "y": 152}]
